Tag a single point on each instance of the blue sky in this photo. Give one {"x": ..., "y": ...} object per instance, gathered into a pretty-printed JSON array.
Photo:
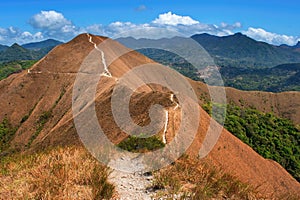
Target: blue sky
[{"x": 273, "y": 21}]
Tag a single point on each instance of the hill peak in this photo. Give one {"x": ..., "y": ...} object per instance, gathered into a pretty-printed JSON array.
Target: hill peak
[
  {"x": 15, "y": 45},
  {"x": 48, "y": 89},
  {"x": 239, "y": 34}
]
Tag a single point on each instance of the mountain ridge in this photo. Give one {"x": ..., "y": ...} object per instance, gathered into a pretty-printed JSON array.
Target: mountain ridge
[
  {"x": 39, "y": 103},
  {"x": 30, "y": 51},
  {"x": 249, "y": 52},
  {"x": 236, "y": 57},
  {"x": 42, "y": 44},
  {"x": 236, "y": 50}
]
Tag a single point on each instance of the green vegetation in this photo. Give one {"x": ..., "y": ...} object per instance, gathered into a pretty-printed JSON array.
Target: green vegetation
[
  {"x": 172, "y": 60},
  {"x": 272, "y": 137},
  {"x": 244, "y": 63},
  {"x": 138, "y": 144},
  {"x": 277, "y": 79},
  {"x": 9, "y": 68},
  {"x": 240, "y": 51},
  {"x": 7, "y": 132},
  {"x": 285, "y": 77},
  {"x": 17, "y": 52},
  {"x": 40, "y": 125},
  {"x": 34, "y": 51}
]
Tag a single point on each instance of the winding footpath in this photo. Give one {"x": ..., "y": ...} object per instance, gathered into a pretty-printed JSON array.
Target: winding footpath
[
  {"x": 106, "y": 71},
  {"x": 167, "y": 118},
  {"x": 129, "y": 186},
  {"x": 166, "y": 126}
]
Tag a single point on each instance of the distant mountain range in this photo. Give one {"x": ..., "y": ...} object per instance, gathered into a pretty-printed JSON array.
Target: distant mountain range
[
  {"x": 30, "y": 51},
  {"x": 43, "y": 44},
  {"x": 3, "y": 47},
  {"x": 297, "y": 46},
  {"x": 244, "y": 63},
  {"x": 236, "y": 50},
  {"x": 240, "y": 51}
]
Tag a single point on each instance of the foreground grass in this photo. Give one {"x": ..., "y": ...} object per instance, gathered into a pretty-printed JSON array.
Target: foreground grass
[
  {"x": 194, "y": 179},
  {"x": 190, "y": 178},
  {"x": 62, "y": 173}
]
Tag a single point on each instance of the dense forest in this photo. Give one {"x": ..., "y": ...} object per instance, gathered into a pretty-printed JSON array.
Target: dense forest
[
  {"x": 272, "y": 137},
  {"x": 9, "y": 68}
]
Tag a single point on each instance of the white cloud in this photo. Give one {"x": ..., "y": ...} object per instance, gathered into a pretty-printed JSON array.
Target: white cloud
[
  {"x": 272, "y": 38},
  {"x": 52, "y": 24},
  {"x": 231, "y": 26},
  {"x": 27, "y": 36},
  {"x": 96, "y": 29},
  {"x": 173, "y": 19},
  {"x": 14, "y": 35},
  {"x": 49, "y": 20},
  {"x": 169, "y": 25},
  {"x": 141, "y": 8}
]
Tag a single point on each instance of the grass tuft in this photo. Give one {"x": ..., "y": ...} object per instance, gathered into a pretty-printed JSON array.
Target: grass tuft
[
  {"x": 62, "y": 173},
  {"x": 190, "y": 178}
]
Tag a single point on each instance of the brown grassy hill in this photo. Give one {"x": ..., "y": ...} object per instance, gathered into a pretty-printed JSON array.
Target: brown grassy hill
[
  {"x": 284, "y": 104},
  {"x": 39, "y": 103}
]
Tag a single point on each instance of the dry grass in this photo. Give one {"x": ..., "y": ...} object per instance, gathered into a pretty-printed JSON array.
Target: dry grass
[
  {"x": 62, "y": 173},
  {"x": 190, "y": 178}
]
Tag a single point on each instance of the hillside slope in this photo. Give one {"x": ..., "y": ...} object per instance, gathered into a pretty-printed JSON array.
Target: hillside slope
[
  {"x": 284, "y": 104},
  {"x": 39, "y": 104},
  {"x": 31, "y": 51}
]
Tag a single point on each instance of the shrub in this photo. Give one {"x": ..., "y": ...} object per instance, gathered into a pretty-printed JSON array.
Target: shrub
[
  {"x": 138, "y": 144},
  {"x": 7, "y": 132}
]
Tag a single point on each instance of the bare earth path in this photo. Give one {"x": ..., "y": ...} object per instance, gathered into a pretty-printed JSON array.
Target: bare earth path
[{"x": 131, "y": 186}]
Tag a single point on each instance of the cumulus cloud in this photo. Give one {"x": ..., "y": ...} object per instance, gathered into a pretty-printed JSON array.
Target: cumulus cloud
[
  {"x": 166, "y": 25},
  {"x": 49, "y": 20},
  {"x": 52, "y": 24},
  {"x": 15, "y": 35},
  {"x": 231, "y": 26},
  {"x": 95, "y": 29},
  {"x": 173, "y": 19},
  {"x": 272, "y": 38}
]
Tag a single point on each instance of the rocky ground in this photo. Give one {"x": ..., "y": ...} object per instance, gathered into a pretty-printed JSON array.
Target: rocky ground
[{"x": 132, "y": 186}]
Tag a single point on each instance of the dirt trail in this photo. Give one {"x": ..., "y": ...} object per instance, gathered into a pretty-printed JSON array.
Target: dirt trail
[
  {"x": 131, "y": 186},
  {"x": 166, "y": 126},
  {"x": 106, "y": 71},
  {"x": 134, "y": 185}
]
